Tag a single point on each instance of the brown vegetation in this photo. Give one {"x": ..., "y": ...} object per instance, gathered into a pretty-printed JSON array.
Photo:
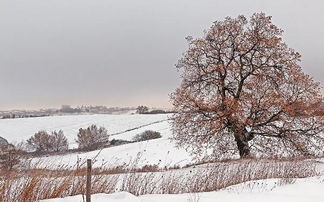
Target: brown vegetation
[
  {"x": 10, "y": 157},
  {"x": 36, "y": 184}
]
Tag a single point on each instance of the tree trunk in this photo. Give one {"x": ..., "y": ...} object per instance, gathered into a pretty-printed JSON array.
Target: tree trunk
[
  {"x": 242, "y": 145},
  {"x": 242, "y": 141},
  {"x": 242, "y": 138}
]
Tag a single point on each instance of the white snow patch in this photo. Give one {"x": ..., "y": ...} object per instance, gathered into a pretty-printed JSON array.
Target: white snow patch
[{"x": 303, "y": 190}]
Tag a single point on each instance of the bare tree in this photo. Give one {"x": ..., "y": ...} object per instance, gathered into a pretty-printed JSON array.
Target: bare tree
[
  {"x": 243, "y": 90},
  {"x": 59, "y": 141},
  {"x": 41, "y": 142},
  {"x": 44, "y": 142},
  {"x": 92, "y": 137}
]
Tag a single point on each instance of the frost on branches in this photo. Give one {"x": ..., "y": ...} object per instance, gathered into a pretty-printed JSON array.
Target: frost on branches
[{"x": 243, "y": 90}]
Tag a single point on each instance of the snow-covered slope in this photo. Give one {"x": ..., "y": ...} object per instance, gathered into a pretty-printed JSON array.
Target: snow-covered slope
[
  {"x": 159, "y": 151},
  {"x": 302, "y": 190},
  {"x": 16, "y": 130},
  {"x": 162, "y": 152}
]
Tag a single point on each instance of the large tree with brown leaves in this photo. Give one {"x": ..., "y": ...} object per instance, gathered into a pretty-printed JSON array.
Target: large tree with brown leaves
[{"x": 243, "y": 91}]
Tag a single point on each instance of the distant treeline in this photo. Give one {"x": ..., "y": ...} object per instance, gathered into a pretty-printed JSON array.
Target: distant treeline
[
  {"x": 15, "y": 116},
  {"x": 67, "y": 109},
  {"x": 158, "y": 111},
  {"x": 146, "y": 110}
]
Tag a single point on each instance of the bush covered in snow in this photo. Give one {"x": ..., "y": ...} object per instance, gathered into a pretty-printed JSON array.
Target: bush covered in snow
[{"x": 147, "y": 135}]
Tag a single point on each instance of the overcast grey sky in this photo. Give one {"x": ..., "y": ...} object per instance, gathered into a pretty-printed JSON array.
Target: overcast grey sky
[{"x": 122, "y": 52}]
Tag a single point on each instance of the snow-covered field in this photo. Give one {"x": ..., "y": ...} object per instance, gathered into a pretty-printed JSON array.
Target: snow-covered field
[
  {"x": 270, "y": 190},
  {"x": 162, "y": 152},
  {"x": 16, "y": 130}
]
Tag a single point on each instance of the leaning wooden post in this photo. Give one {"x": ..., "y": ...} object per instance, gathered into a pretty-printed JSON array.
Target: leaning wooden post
[{"x": 88, "y": 188}]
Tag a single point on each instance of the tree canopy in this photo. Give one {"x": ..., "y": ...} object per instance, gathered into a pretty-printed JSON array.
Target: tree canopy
[{"x": 243, "y": 91}]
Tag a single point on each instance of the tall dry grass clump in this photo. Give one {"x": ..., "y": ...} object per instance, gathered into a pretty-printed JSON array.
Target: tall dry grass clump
[
  {"x": 215, "y": 176},
  {"x": 37, "y": 184}
]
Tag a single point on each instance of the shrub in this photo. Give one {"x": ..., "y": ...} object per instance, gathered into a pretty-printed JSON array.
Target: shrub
[
  {"x": 9, "y": 157},
  {"x": 92, "y": 137},
  {"x": 147, "y": 135},
  {"x": 44, "y": 142},
  {"x": 116, "y": 142},
  {"x": 59, "y": 141},
  {"x": 40, "y": 142}
]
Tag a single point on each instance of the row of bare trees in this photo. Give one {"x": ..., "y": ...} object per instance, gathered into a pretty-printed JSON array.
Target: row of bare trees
[
  {"x": 43, "y": 142},
  {"x": 90, "y": 138}
]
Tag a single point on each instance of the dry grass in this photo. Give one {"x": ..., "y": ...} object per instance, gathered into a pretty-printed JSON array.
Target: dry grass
[
  {"x": 36, "y": 184},
  {"x": 217, "y": 176}
]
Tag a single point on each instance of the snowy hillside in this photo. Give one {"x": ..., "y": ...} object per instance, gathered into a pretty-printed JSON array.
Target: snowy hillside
[
  {"x": 302, "y": 190},
  {"x": 159, "y": 151},
  {"x": 16, "y": 130}
]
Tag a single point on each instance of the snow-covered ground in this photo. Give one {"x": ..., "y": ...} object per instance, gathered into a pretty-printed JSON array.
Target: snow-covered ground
[
  {"x": 270, "y": 190},
  {"x": 17, "y": 130},
  {"x": 160, "y": 151}
]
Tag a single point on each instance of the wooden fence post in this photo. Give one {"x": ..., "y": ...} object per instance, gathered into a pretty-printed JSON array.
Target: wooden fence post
[{"x": 88, "y": 186}]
